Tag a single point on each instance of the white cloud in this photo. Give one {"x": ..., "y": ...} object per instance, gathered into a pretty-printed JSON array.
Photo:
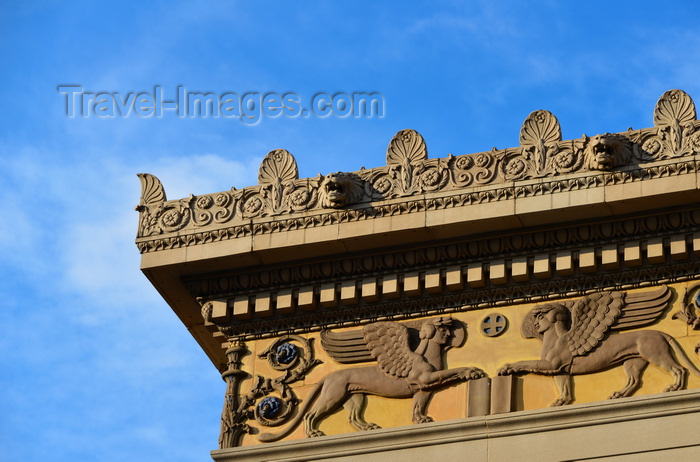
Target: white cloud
[{"x": 205, "y": 173}]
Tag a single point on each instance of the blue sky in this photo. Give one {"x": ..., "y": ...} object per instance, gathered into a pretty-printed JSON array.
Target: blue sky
[{"x": 95, "y": 367}]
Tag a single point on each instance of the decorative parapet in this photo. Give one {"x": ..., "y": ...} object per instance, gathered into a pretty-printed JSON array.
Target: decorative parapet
[{"x": 411, "y": 182}]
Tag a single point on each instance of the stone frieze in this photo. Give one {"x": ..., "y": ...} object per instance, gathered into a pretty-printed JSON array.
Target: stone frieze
[
  {"x": 386, "y": 373},
  {"x": 576, "y": 340}
]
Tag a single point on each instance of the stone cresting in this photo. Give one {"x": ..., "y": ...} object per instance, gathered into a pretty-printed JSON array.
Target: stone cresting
[
  {"x": 576, "y": 340},
  {"x": 409, "y": 174}
]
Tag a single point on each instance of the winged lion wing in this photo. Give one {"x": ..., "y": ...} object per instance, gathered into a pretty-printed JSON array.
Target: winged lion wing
[
  {"x": 388, "y": 343},
  {"x": 594, "y": 315},
  {"x": 346, "y": 347},
  {"x": 591, "y": 318},
  {"x": 642, "y": 309}
]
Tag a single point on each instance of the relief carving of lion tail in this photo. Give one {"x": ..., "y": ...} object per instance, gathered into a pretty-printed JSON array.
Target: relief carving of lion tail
[
  {"x": 681, "y": 355},
  {"x": 271, "y": 437}
]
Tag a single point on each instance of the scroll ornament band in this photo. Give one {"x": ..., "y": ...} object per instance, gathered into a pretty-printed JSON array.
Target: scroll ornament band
[
  {"x": 409, "y": 171},
  {"x": 270, "y": 401},
  {"x": 690, "y": 307}
]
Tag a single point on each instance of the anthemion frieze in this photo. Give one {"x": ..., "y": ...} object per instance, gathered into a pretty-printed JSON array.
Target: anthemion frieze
[{"x": 474, "y": 296}]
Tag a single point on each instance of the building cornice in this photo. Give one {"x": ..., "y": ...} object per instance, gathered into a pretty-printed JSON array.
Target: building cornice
[{"x": 412, "y": 184}]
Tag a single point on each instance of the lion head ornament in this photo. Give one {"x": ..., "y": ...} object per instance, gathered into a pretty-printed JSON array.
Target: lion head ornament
[
  {"x": 340, "y": 189},
  {"x": 607, "y": 151}
]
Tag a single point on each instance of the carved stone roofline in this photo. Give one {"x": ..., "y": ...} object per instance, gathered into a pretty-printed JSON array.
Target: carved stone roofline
[{"x": 411, "y": 181}]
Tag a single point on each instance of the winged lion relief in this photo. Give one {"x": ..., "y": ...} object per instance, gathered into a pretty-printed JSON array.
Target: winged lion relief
[
  {"x": 576, "y": 339},
  {"x": 402, "y": 370}
]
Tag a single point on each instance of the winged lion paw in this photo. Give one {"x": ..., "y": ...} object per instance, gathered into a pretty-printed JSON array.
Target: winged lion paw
[
  {"x": 370, "y": 426},
  {"x": 507, "y": 369},
  {"x": 561, "y": 402},
  {"x": 315, "y": 433},
  {"x": 473, "y": 373},
  {"x": 423, "y": 419}
]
